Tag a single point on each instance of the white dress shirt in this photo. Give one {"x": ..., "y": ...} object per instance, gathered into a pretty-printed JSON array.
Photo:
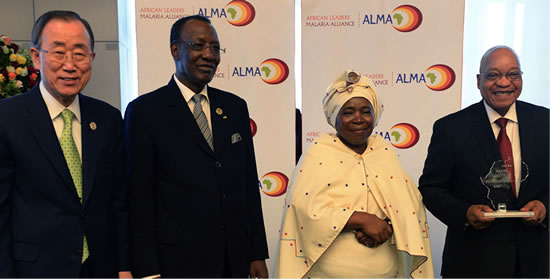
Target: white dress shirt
[
  {"x": 512, "y": 130},
  {"x": 55, "y": 108}
]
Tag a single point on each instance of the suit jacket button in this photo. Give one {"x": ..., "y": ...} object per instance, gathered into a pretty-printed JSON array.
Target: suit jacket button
[
  {"x": 223, "y": 196},
  {"x": 218, "y": 164}
]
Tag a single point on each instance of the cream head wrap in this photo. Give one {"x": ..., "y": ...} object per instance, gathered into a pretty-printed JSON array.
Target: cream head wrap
[{"x": 349, "y": 85}]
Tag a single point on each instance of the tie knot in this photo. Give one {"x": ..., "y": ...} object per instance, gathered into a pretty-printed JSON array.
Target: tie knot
[
  {"x": 197, "y": 98},
  {"x": 67, "y": 116},
  {"x": 501, "y": 122}
]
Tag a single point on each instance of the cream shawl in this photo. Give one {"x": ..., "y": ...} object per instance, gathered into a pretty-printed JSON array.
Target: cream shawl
[{"x": 329, "y": 183}]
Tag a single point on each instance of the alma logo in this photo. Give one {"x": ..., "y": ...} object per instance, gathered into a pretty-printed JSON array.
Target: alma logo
[
  {"x": 274, "y": 183},
  {"x": 440, "y": 77},
  {"x": 271, "y": 71},
  {"x": 240, "y": 13},
  {"x": 253, "y": 127},
  {"x": 406, "y": 18},
  {"x": 404, "y": 135},
  {"x": 274, "y": 71}
]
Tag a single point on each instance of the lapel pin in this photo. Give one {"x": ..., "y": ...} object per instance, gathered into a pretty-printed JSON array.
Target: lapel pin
[
  {"x": 93, "y": 126},
  {"x": 219, "y": 111},
  {"x": 225, "y": 117}
]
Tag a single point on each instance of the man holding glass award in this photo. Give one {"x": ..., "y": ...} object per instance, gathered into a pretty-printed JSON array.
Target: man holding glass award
[{"x": 486, "y": 177}]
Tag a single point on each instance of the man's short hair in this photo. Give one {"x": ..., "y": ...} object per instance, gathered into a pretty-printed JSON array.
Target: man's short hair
[
  {"x": 485, "y": 56},
  {"x": 36, "y": 34},
  {"x": 178, "y": 25}
]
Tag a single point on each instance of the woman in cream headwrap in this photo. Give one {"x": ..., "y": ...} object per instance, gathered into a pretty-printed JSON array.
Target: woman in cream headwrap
[{"x": 352, "y": 211}]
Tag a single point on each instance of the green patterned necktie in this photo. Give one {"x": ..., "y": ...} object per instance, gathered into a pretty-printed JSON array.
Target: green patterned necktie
[{"x": 73, "y": 162}]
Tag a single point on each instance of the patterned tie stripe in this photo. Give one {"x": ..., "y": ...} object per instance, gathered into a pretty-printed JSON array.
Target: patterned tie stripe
[
  {"x": 72, "y": 157},
  {"x": 200, "y": 117}
]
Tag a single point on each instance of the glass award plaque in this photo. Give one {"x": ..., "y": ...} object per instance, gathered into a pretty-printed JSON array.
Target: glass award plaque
[{"x": 498, "y": 187}]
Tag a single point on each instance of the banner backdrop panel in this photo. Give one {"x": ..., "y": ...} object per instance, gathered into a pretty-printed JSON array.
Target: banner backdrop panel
[
  {"x": 258, "y": 66},
  {"x": 412, "y": 50}
]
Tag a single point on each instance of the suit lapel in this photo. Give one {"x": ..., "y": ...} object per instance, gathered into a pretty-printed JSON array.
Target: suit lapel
[
  {"x": 483, "y": 134},
  {"x": 527, "y": 130},
  {"x": 179, "y": 114},
  {"x": 218, "y": 115},
  {"x": 90, "y": 146},
  {"x": 39, "y": 123}
]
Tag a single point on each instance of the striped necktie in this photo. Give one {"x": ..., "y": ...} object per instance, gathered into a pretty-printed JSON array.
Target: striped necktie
[{"x": 200, "y": 117}]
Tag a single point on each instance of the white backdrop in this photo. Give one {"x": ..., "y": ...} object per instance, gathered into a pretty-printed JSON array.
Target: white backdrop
[
  {"x": 258, "y": 66},
  {"x": 413, "y": 52},
  {"x": 515, "y": 23}
]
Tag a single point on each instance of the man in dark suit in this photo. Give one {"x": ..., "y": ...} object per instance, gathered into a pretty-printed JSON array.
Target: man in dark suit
[
  {"x": 195, "y": 208},
  {"x": 462, "y": 151},
  {"x": 62, "y": 189}
]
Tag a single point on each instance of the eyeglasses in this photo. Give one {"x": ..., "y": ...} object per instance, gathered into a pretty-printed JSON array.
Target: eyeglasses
[
  {"x": 60, "y": 56},
  {"x": 494, "y": 76},
  {"x": 201, "y": 46}
]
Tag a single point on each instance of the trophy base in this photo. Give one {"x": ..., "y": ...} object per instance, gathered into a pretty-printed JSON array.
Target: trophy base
[{"x": 509, "y": 214}]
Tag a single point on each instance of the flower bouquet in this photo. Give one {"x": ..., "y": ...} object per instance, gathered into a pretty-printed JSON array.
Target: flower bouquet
[{"x": 17, "y": 75}]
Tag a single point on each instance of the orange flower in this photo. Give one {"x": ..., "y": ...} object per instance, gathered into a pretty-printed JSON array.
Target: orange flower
[
  {"x": 33, "y": 76},
  {"x": 11, "y": 75}
]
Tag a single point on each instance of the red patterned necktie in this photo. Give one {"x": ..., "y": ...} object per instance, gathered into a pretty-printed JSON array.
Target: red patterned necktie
[{"x": 505, "y": 148}]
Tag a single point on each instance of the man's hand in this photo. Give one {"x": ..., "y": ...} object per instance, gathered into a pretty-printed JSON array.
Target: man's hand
[
  {"x": 540, "y": 213},
  {"x": 475, "y": 216},
  {"x": 125, "y": 274},
  {"x": 258, "y": 269}
]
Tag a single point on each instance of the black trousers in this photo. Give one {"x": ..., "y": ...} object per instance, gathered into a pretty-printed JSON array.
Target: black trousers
[
  {"x": 86, "y": 269},
  {"x": 226, "y": 265}
]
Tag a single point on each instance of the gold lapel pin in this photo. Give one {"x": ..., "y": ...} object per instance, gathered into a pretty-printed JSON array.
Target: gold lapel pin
[
  {"x": 93, "y": 126},
  {"x": 225, "y": 117},
  {"x": 219, "y": 111}
]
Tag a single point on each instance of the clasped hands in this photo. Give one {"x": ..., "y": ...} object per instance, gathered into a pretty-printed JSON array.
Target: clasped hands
[{"x": 370, "y": 230}]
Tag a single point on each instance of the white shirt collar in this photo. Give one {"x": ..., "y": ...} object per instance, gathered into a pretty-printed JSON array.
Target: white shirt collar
[
  {"x": 493, "y": 115},
  {"x": 55, "y": 107},
  {"x": 188, "y": 93}
]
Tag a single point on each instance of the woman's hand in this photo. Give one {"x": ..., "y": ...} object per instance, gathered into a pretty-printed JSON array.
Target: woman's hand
[
  {"x": 364, "y": 239},
  {"x": 370, "y": 230}
]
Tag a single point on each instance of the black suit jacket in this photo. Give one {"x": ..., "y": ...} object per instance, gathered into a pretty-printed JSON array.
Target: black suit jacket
[
  {"x": 188, "y": 204},
  {"x": 462, "y": 149},
  {"x": 42, "y": 222}
]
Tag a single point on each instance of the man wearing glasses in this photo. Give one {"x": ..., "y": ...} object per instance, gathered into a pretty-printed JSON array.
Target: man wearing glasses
[
  {"x": 492, "y": 157},
  {"x": 62, "y": 188},
  {"x": 195, "y": 208}
]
